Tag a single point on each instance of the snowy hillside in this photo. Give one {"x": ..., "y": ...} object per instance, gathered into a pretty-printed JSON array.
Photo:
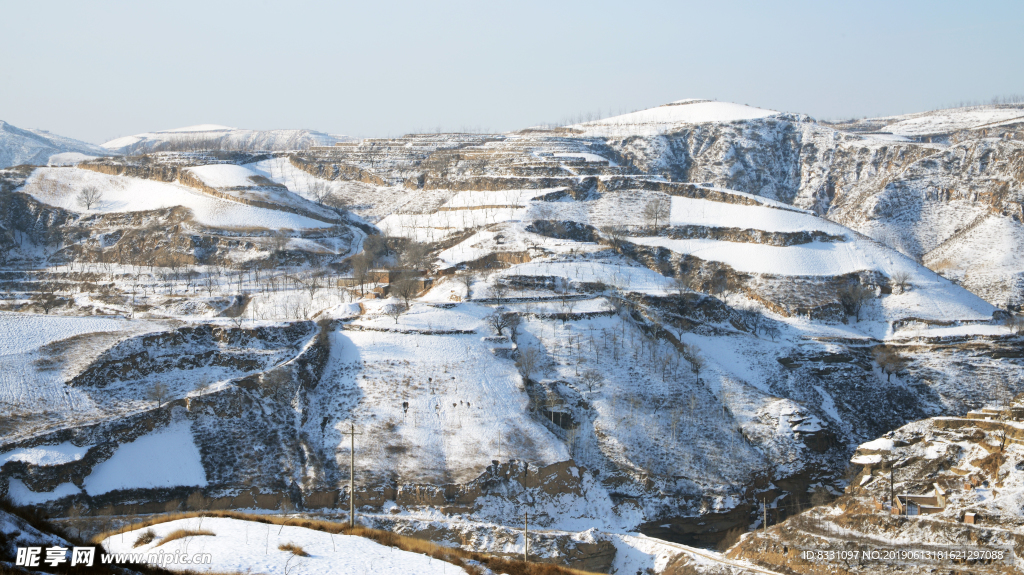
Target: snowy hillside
[
  {"x": 61, "y": 186},
  {"x": 242, "y": 546},
  {"x": 664, "y": 323},
  {"x": 211, "y": 136},
  {"x": 39, "y": 147}
]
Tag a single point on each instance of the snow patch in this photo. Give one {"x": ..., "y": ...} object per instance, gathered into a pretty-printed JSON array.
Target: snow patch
[{"x": 165, "y": 458}]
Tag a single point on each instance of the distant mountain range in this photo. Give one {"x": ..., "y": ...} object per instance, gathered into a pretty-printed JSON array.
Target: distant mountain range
[
  {"x": 39, "y": 147},
  {"x": 212, "y": 136}
]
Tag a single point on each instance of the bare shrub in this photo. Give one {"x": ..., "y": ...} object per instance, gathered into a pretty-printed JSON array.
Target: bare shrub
[
  {"x": 197, "y": 501},
  {"x": 731, "y": 538},
  {"x": 183, "y": 533},
  {"x": 889, "y": 360},
  {"x": 294, "y": 549},
  {"x": 821, "y": 496},
  {"x": 145, "y": 538}
]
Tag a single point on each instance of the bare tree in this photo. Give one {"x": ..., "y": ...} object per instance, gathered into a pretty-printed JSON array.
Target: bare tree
[
  {"x": 614, "y": 236},
  {"x": 89, "y": 197},
  {"x": 279, "y": 241},
  {"x": 394, "y": 311},
  {"x": 46, "y": 300},
  {"x": 499, "y": 320},
  {"x": 590, "y": 378},
  {"x": 318, "y": 189},
  {"x": 901, "y": 280},
  {"x": 528, "y": 361},
  {"x": 406, "y": 287},
  {"x": 852, "y": 297},
  {"x": 1014, "y": 323},
  {"x": 771, "y": 330},
  {"x": 514, "y": 322},
  {"x": 361, "y": 269},
  {"x": 414, "y": 255},
  {"x": 692, "y": 356},
  {"x": 681, "y": 282},
  {"x": 157, "y": 392},
  {"x": 753, "y": 320},
  {"x": 656, "y": 211},
  {"x": 466, "y": 279},
  {"x": 889, "y": 360},
  {"x": 499, "y": 290},
  {"x": 313, "y": 283}
]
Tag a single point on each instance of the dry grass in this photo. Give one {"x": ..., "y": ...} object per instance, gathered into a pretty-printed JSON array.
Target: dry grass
[
  {"x": 145, "y": 538},
  {"x": 456, "y": 557},
  {"x": 182, "y": 533},
  {"x": 294, "y": 549}
]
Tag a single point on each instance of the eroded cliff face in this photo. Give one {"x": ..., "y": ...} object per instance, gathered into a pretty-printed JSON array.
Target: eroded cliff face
[{"x": 934, "y": 198}]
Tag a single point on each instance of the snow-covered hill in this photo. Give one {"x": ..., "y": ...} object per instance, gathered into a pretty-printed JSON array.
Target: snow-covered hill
[
  {"x": 709, "y": 309},
  {"x": 211, "y": 136},
  {"x": 39, "y": 147},
  {"x": 670, "y": 117}
]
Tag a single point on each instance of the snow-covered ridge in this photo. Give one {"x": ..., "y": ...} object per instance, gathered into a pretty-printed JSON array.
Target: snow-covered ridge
[
  {"x": 224, "y": 137},
  {"x": 680, "y": 112},
  {"x": 60, "y": 186},
  {"x": 951, "y": 120}
]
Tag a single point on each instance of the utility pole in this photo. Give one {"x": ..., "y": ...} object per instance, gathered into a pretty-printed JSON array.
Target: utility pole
[
  {"x": 526, "y": 536},
  {"x": 352, "y": 476},
  {"x": 765, "y": 529}
]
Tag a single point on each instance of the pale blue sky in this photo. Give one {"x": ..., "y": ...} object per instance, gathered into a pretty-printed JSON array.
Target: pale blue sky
[{"x": 96, "y": 70}]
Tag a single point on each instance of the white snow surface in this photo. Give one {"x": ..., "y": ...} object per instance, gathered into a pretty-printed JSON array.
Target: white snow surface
[
  {"x": 21, "y": 495},
  {"x": 240, "y": 546},
  {"x": 22, "y": 332},
  {"x": 46, "y": 454},
  {"x": 167, "y": 457},
  {"x": 124, "y": 194},
  {"x": 880, "y": 444},
  {"x": 690, "y": 211},
  {"x": 224, "y": 175},
  {"x": 656, "y": 120}
]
